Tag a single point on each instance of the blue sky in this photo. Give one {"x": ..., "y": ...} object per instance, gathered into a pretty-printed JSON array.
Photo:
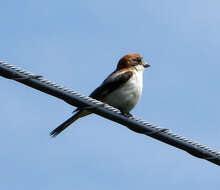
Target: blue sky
[{"x": 77, "y": 44}]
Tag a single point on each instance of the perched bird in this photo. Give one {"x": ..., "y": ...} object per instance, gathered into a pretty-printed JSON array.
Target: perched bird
[{"x": 121, "y": 89}]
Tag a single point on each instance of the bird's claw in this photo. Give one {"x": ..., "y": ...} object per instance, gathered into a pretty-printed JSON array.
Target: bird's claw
[{"x": 126, "y": 114}]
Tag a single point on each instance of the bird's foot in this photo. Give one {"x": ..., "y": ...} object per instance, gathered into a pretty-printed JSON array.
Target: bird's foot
[{"x": 126, "y": 114}]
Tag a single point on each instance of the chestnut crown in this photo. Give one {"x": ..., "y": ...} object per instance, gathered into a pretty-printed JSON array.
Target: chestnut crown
[{"x": 131, "y": 60}]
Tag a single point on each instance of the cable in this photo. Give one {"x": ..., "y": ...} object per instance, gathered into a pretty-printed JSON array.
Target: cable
[{"x": 109, "y": 112}]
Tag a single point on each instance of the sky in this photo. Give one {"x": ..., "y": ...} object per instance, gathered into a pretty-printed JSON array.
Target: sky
[{"x": 77, "y": 44}]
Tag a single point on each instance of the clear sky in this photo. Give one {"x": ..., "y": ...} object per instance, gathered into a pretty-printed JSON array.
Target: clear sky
[{"x": 77, "y": 44}]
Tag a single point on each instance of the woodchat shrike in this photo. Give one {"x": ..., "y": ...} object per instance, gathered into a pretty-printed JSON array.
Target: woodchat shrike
[{"x": 122, "y": 89}]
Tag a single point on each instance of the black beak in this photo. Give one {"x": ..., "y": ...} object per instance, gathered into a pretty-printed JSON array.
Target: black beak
[{"x": 146, "y": 65}]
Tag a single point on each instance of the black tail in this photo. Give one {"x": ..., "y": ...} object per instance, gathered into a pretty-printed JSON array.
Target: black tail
[{"x": 65, "y": 124}]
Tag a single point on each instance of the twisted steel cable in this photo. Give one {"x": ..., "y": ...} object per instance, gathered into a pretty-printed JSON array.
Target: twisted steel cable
[{"x": 109, "y": 112}]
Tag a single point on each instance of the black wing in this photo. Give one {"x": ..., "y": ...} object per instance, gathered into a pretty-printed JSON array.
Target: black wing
[{"x": 114, "y": 81}]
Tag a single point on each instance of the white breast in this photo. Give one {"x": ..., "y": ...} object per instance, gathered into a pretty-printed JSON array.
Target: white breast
[{"x": 128, "y": 95}]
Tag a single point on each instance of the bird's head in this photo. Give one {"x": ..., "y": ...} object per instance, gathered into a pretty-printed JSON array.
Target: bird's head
[{"x": 132, "y": 61}]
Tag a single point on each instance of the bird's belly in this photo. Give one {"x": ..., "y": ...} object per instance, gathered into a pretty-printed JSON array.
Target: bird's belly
[{"x": 126, "y": 97}]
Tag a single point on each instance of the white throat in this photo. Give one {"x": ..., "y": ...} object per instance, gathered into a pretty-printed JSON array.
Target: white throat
[{"x": 139, "y": 68}]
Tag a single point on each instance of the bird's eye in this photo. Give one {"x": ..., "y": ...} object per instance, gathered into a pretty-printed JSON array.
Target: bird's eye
[{"x": 137, "y": 59}]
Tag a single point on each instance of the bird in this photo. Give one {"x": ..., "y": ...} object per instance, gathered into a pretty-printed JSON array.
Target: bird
[{"x": 122, "y": 89}]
